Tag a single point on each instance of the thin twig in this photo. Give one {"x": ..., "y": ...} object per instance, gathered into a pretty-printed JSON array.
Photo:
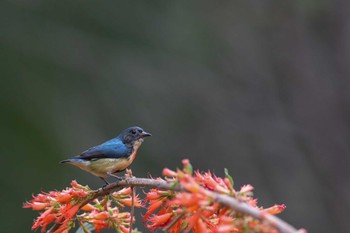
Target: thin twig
[
  {"x": 173, "y": 222},
  {"x": 225, "y": 200},
  {"x": 132, "y": 211}
]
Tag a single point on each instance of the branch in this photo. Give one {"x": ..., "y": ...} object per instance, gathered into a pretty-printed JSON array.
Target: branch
[{"x": 225, "y": 200}]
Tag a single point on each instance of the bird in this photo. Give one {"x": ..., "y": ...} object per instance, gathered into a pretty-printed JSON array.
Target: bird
[{"x": 112, "y": 156}]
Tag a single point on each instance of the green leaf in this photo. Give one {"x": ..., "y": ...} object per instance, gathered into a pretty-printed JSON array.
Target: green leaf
[
  {"x": 174, "y": 184},
  {"x": 228, "y": 176},
  {"x": 188, "y": 169}
]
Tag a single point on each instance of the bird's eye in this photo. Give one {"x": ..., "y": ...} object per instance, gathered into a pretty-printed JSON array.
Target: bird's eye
[
  {"x": 133, "y": 131},
  {"x": 140, "y": 131}
]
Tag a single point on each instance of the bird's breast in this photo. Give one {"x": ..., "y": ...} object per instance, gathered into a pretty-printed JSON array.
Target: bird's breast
[
  {"x": 122, "y": 163},
  {"x": 132, "y": 156},
  {"x": 102, "y": 167}
]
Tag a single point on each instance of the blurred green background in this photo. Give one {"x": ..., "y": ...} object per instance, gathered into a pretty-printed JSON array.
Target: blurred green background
[{"x": 258, "y": 87}]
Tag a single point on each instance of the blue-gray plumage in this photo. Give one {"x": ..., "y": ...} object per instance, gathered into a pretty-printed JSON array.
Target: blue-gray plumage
[{"x": 112, "y": 156}]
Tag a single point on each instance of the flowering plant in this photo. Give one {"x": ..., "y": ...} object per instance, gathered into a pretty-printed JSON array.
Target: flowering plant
[
  {"x": 62, "y": 208},
  {"x": 182, "y": 201}
]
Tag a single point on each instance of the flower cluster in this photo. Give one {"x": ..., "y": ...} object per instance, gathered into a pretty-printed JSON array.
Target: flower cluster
[
  {"x": 63, "y": 209},
  {"x": 183, "y": 201},
  {"x": 195, "y": 208}
]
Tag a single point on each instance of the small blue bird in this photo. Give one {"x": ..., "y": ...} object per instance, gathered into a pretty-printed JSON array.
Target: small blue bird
[{"x": 112, "y": 156}]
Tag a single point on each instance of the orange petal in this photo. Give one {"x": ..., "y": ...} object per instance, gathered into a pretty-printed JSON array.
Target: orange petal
[
  {"x": 88, "y": 207},
  {"x": 101, "y": 215},
  {"x": 276, "y": 209},
  {"x": 159, "y": 220},
  {"x": 169, "y": 173}
]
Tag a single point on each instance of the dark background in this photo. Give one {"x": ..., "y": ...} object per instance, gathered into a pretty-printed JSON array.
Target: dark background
[{"x": 258, "y": 87}]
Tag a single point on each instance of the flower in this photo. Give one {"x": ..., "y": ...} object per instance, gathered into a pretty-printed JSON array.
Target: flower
[
  {"x": 159, "y": 220},
  {"x": 275, "y": 209},
  {"x": 195, "y": 205},
  {"x": 196, "y": 210},
  {"x": 212, "y": 183},
  {"x": 169, "y": 173},
  {"x": 128, "y": 201},
  {"x": 45, "y": 219},
  {"x": 123, "y": 197},
  {"x": 62, "y": 207},
  {"x": 35, "y": 205},
  {"x": 156, "y": 199},
  {"x": 246, "y": 188}
]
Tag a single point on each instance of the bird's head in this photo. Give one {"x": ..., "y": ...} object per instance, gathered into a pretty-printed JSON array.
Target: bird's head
[{"x": 133, "y": 136}]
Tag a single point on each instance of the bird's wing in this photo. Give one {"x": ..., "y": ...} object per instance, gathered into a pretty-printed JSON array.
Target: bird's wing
[{"x": 105, "y": 150}]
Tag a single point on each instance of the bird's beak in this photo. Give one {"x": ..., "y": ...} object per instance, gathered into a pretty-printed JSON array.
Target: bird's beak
[{"x": 145, "y": 134}]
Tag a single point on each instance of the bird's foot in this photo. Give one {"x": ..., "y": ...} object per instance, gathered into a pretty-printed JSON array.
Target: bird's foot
[
  {"x": 128, "y": 173},
  {"x": 115, "y": 176},
  {"x": 106, "y": 183},
  {"x": 104, "y": 186}
]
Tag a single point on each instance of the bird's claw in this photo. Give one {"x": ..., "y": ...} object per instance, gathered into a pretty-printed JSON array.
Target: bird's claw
[{"x": 115, "y": 176}]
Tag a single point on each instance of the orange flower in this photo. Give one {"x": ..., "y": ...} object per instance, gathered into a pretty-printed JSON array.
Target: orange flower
[
  {"x": 169, "y": 173},
  {"x": 200, "y": 227},
  {"x": 124, "y": 229},
  {"x": 99, "y": 224},
  {"x": 246, "y": 188},
  {"x": 193, "y": 210},
  {"x": 152, "y": 194},
  {"x": 187, "y": 167},
  {"x": 216, "y": 186},
  {"x": 68, "y": 211},
  {"x": 176, "y": 227},
  {"x": 198, "y": 209},
  {"x": 229, "y": 185},
  {"x": 159, "y": 220},
  {"x": 100, "y": 215},
  {"x": 88, "y": 207},
  {"x": 192, "y": 220},
  {"x": 64, "y": 197},
  {"x": 185, "y": 162},
  {"x": 276, "y": 209},
  {"x": 154, "y": 205},
  {"x": 75, "y": 184},
  {"x": 124, "y": 191},
  {"x": 189, "y": 200},
  {"x": 44, "y": 219},
  {"x": 128, "y": 201},
  {"x": 226, "y": 224},
  {"x": 252, "y": 202},
  {"x": 62, "y": 229},
  {"x": 190, "y": 184},
  {"x": 36, "y": 205}
]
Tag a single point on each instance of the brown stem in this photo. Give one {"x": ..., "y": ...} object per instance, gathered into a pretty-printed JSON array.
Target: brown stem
[
  {"x": 132, "y": 208},
  {"x": 225, "y": 200},
  {"x": 177, "y": 218}
]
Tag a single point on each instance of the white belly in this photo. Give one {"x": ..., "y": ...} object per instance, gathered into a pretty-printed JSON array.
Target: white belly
[{"x": 102, "y": 167}]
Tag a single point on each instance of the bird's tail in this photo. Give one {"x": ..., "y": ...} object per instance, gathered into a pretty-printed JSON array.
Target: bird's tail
[{"x": 72, "y": 160}]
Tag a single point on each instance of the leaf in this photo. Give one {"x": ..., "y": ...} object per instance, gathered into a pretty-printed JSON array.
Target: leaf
[
  {"x": 228, "y": 176},
  {"x": 174, "y": 184},
  {"x": 188, "y": 169}
]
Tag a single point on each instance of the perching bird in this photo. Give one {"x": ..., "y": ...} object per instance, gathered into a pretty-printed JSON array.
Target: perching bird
[{"x": 112, "y": 156}]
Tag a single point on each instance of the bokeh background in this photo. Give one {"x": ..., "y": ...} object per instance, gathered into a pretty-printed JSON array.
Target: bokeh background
[{"x": 259, "y": 87}]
